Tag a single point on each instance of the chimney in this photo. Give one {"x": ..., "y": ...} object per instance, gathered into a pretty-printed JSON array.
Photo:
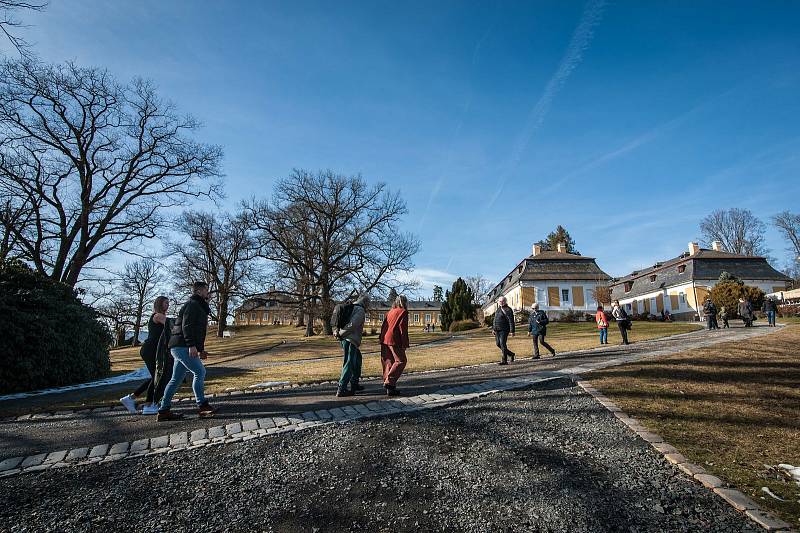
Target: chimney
[
  {"x": 562, "y": 248},
  {"x": 537, "y": 249},
  {"x": 693, "y": 248},
  {"x": 717, "y": 246}
]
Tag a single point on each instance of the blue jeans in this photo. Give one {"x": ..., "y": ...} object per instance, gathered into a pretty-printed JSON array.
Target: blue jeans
[
  {"x": 603, "y": 335},
  {"x": 184, "y": 362},
  {"x": 771, "y": 318}
]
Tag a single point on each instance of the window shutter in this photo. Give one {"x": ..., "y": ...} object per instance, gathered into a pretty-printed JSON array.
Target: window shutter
[
  {"x": 674, "y": 303},
  {"x": 553, "y": 298},
  {"x": 659, "y": 303},
  {"x": 577, "y": 297}
]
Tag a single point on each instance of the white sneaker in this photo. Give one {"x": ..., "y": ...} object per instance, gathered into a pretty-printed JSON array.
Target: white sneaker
[
  {"x": 129, "y": 403},
  {"x": 150, "y": 409}
]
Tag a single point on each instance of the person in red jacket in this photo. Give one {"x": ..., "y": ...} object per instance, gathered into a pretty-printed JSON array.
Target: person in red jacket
[{"x": 394, "y": 341}]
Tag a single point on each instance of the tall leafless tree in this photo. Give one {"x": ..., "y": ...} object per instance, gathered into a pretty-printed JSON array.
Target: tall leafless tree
[
  {"x": 219, "y": 250},
  {"x": 739, "y": 231},
  {"x": 788, "y": 224},
  {"x": 480, "y": 286},
  {"x": 116, "y": 309},
  {"x": 338, "y": 232},
  {"x": 9, "y": 22},
  {"x": 96, "y": 164},
  {"x": 140, "y": 282}
]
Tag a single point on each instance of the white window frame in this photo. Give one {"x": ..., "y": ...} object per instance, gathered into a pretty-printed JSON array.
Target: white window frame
[
  {"x": 253, "y": 316},
  {"x": 381, "y": 316},
  {"x": 681, "y": 299},
  {"x": 428, "y": 318},
  {"x": 568, "y": 299},
  {"x": 416, "y": 318}
]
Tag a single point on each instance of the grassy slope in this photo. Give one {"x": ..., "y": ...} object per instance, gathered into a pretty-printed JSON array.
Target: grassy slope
[{"x": 731, "y": 408}]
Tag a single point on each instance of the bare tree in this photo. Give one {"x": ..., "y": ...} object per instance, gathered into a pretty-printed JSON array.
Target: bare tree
[
  {"x": 480, "y": 286},
  {"x": 739, "y": 231},
  {"x": 789, "y": 225},
  {"x": 338, "y": 233},
  {"x": 95, "y": 163},
  {"x": 220, "y": 251},
  {"x": 140, "y": 280},
  {"x": 117, "y": 310},
  {"x": 9, "y": 23}
]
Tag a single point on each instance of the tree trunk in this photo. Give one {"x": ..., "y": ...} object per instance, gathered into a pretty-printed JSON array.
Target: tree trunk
[
  {"x": 326, "y": 307},
  {"x": 222, "y": 315},
  {"x": 120, "y": 335}
]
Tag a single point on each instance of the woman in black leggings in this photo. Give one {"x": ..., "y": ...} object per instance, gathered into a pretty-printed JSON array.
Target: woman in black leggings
[{"x": 154, "y": 354}]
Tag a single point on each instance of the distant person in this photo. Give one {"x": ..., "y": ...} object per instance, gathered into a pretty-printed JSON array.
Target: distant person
[
  {"x": 148, "y": 351},
  {"x": 623, "y": 322},
  {"x": 746, "y": 312},
  {"x": 602, "y": 324},
  {"x": 503, "y": 327},
  {"x": 433, "y": 327},
  {"x": 710, "y": 310},
  {"x": 394, "y": 342},
  {"x": 723, "y": 315},
  {"x": 348, "y": 322},
  {"x": 537, "y": 328},
  {"x": 667, "y": 316},
  {"x": 771, "y": 310},
  {"x": 187, "y": 346}
]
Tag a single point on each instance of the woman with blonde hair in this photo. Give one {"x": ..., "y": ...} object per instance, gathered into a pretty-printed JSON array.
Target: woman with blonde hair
[
  {"x": 394, "y": 341},
  {"x": 156, "y": 342}
]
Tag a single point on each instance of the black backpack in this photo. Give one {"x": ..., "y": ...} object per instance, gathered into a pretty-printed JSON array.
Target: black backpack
[{"x": 341, "y": 315}]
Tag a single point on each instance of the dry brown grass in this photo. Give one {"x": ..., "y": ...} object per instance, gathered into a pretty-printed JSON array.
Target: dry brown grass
[
  {"x": 732, "y": 408},
  {"x": 479, "y": 347}
]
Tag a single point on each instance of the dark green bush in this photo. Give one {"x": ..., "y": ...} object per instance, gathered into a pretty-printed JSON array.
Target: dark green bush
[
  {"x": 488, "y": 320},
  {"x": 464, "y": 325},
  {"x": 50, "y": 338}
]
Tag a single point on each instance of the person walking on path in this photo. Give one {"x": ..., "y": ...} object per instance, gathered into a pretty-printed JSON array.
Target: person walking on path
[
  {"x": 602, "y": 324},
  {"x": 349, "y": 326},
  {"x": 187, "y": 346},
  {"x": 746, "y": 312},
  {"x": 503, "y": 327},
  {"x": 394, "y": 342},
  {"x": 537, "y": 328},
  {"x": 623, "y": 322},
  {"x": 723, "y": 314},
  {"x": 148, "y": 351},
  {"x": 770, "y": 309},
  {"x": 710, "y": 310}
]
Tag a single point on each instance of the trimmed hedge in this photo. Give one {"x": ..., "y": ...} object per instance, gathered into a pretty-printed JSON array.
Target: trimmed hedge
[
  {"x": 50, "y": 338},
  {"x": 464, "y": 325}
]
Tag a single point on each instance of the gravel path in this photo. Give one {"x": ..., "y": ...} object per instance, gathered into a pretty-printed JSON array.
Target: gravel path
[
  {"x": 547, "y": 460},
  {"x": 28, "y": 437}
]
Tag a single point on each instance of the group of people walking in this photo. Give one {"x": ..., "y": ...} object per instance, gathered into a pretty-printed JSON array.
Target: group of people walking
[
  {"x": 348, "y": 324},
  {"x": 744, "y": 309},
  {"x": 173, "y": 348}
]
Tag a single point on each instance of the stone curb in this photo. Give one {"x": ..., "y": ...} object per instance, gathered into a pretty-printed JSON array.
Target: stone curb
[
  {"x": 262, "y": 427},
  {"x": 259, "y": 390},
  {"x": 234, "y": 432},
  {"x": 733, "y": 497}
]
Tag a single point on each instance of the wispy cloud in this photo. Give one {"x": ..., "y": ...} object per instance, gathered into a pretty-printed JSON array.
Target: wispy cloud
[
  {"x": 428, "y": 278},
  {"x": 581, "y": 38}
]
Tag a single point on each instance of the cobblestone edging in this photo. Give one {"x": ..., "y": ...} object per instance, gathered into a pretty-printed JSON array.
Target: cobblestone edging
[
  {"x": 735, "y": 498},
  {"x": 261, "y": 427},
  {"x": 88, "y": 411},
  {"x": 254, "y": 428}
]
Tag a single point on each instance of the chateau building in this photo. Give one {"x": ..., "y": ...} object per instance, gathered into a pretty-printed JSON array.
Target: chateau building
[
  {"x": 557, "y": 280},
  {"x": 680, "y": 285}
]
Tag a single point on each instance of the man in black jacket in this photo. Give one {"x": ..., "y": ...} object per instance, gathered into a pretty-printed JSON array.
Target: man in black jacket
[
  {"x": 187, "y": 346},
  {"x": 503, "y": 325}
]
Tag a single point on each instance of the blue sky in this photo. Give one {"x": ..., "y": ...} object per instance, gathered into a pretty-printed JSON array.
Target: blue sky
[{"x": 626, "y": 122}]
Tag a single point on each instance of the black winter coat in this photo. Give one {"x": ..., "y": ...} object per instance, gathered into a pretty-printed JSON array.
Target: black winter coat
[
  {"x": 537, "y": 323},
  {"x": 191, "y": 325},
  {"x": 504, "y": 319}
]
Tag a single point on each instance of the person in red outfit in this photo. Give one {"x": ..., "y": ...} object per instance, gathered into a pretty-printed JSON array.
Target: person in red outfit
[{"x": 394, "y": 341}]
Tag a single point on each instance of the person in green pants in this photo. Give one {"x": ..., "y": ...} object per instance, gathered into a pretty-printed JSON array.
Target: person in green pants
[{"x": 350, "y": 338}]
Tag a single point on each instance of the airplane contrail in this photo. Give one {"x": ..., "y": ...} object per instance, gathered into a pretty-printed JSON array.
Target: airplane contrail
[{"x": 581, "y": 38}]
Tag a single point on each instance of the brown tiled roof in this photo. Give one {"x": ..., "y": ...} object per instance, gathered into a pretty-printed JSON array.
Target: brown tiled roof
[{"x": 552, "y": 265}]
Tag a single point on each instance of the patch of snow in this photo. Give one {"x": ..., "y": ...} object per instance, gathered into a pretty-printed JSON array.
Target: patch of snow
[
  {"x": 136, "y": 375},
  {"x": 268, "y": 384},
  {"x": 793, "y": 471}
]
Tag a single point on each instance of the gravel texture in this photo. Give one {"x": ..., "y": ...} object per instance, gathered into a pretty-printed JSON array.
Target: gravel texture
[{"x": 545, "y": 460}]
